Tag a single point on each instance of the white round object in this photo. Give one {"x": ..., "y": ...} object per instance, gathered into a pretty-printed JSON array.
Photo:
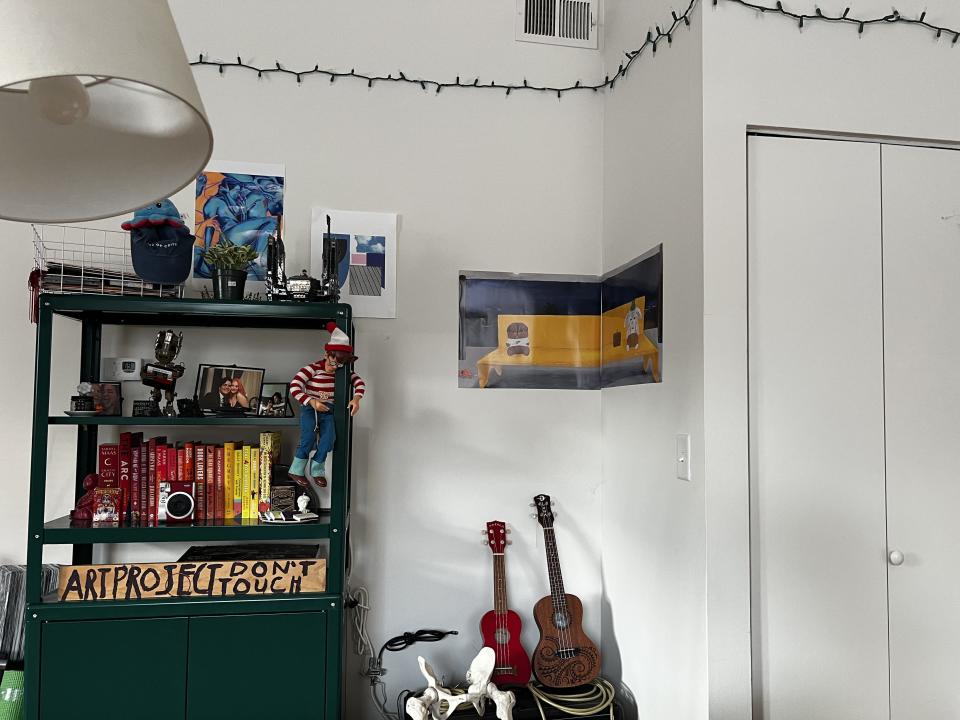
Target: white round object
[
  {"x": 896, "y": 557},
  {"x": 116, "y": 72},
  {"x": 62, "y": 100}
]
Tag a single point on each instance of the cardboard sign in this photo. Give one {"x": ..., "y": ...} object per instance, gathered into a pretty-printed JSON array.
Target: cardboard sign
[{"x": 186, "y": 579}]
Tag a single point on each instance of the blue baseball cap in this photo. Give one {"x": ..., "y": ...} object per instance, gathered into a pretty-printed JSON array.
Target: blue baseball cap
[{"x": 161, "y": 246}]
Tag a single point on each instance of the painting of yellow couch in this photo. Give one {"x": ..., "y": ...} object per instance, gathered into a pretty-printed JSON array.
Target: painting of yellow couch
[
  {"x": 562, "y": 332},
  {"x": 545, "y": 341},
  {"x": 624, "y": 340}
]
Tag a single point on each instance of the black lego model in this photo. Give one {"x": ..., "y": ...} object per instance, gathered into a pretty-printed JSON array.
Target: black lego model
[{"x": 303, "y": 287}]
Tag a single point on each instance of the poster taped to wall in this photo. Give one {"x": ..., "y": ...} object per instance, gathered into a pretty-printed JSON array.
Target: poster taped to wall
[
  {"x": 631, "y": 323},
  {"x": 239, "y": 203},
  {"x": 367, "y": 258},
  {"x": 529, "y": 331},
  {"x": 561, "y": 331}
]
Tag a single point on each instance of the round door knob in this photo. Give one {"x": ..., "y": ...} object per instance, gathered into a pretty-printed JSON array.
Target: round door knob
[{"x": 895, "y": 557}]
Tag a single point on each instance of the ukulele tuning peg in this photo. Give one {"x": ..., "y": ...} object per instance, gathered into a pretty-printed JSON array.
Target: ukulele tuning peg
[
  {"x": 509, "y": 531},
  {"x": 533, "y": 515},
  {"x": 531, "y": 504},
  {"x": 484, "y": 542},
  {"x": 509, "y": 542},
  {"x": 553, "y": 503}
]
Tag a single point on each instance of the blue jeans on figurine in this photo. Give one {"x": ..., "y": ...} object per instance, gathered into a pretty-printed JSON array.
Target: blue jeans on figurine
[{"x": 317, "y": 435}]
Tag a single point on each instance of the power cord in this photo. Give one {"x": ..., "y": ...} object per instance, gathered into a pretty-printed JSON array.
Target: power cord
[
  {"x": 402, "y": 642},
  {"x": 359, "y": 601},
  {"x": 582, "y": 704}
]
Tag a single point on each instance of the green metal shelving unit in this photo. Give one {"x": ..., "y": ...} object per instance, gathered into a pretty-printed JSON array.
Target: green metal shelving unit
[{"x": 161, "y": 632}]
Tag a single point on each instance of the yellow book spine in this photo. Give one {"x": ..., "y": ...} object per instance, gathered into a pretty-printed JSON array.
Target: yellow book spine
[
  {"x": 254, "y": 482},
  {"x": 245, "y": 488},
  {"x": 270, "y": 442},
  {"x": 237, "y": 482},
  {"x": 228, "y": 463},
  {"x": 266, "y": 471},
  {"x": 269, "y": 454}
]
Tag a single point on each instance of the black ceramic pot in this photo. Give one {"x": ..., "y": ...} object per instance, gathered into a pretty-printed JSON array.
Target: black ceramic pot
[{"x": 228, "y": 284}]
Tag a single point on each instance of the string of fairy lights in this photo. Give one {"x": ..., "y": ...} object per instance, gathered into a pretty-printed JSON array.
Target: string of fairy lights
[{"x": 654, "y": 39}]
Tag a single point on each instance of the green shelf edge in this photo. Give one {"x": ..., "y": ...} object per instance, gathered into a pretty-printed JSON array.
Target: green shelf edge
[
  {"x": 58, "y": 532},
  {"x": 253, "y": 421},
  {"x": 181, "y": 606},
  {"x": 197, "y": 311}
]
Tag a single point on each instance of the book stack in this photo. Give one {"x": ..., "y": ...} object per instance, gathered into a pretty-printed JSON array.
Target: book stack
[{"x": 228, "y": 482}]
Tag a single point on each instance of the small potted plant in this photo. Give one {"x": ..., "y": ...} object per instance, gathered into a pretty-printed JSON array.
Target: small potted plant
[{"x": 229, "y": 264}]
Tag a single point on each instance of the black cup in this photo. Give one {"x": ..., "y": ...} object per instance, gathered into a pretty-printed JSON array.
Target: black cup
[{"x": 81, "y": 403}]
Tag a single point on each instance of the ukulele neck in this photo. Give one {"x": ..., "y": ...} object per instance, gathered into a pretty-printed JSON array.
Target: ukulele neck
[
  {"x": 499, "y": 584},
  {"x": 557, "y": 593}
]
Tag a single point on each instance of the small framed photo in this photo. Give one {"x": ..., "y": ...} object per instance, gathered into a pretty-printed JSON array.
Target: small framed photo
[
  {"x": 228, "y": 388},
  {"x": 274, "y": 400},
  {"x": 107, "y": 398}
]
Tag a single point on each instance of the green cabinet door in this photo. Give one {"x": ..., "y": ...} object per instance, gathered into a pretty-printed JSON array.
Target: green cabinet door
[
  {"x": 113, "y": 669},
  {"x": 257, "y": 666}
]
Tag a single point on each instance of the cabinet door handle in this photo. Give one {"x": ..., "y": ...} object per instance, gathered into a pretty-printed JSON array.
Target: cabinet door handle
[{"x": 895, "y": 557}]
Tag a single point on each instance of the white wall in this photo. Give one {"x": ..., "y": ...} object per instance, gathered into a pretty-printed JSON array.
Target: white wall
[
  {"x": 760, "y": 70},
  {"x": 483, "y": 182},
  {"x": 654, "y": 632}
]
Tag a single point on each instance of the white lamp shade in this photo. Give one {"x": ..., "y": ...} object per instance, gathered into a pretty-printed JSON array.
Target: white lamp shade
[{"x": 144, "y": 135}]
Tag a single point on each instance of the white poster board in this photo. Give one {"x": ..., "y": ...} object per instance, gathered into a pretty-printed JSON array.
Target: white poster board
[{"x": 367, "y": 272}]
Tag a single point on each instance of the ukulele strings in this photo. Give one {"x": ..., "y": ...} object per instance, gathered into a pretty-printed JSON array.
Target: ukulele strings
[
  {"x": 498, "y": 603},
  {"x": 496, "y": 608},
  {"x": 503, "y": 616},
  {"x": 553, "y": 562}
]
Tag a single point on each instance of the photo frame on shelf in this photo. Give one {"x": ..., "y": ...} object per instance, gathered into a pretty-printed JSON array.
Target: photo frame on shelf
[
  {"x": 107, "y": 398},
  {"x": 274, "y": 400},
  {"x": 228, "y": 388}
]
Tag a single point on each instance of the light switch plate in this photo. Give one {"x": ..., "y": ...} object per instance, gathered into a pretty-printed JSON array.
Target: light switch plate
[{"x": 683, "y": 457}]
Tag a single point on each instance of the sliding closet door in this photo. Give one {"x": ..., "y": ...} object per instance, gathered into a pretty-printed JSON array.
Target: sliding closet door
[
  {"x": 921, "y": 281},
  {"x": 816, "y": 438}
]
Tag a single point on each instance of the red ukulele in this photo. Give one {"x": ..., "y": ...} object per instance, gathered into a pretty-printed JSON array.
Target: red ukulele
[{"x": 500, "y": 627}]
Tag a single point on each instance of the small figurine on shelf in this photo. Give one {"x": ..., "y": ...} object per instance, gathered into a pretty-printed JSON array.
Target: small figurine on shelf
[
  {"x": 313, "y": 387},
  {"x": 304, "y": 514},
  {"x": 82, "y": 514}
]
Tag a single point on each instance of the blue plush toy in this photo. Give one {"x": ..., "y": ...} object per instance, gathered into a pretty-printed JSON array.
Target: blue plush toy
[{"x": 161, "y": 246}]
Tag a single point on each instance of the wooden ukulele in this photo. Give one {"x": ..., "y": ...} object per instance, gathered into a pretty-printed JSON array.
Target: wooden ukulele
[
  {"x": 501, "y": 627},
  {"x": 565, "y": 657}
]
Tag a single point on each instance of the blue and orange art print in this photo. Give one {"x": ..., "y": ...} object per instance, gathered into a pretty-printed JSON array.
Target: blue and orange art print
[{"x": 242, "y": 208}]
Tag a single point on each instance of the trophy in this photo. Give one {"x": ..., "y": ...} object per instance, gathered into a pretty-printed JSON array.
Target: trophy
[{"x": 162, "y": 376}]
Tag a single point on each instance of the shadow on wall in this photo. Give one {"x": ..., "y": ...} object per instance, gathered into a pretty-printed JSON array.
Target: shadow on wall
[{"x": 613, "y": 662}]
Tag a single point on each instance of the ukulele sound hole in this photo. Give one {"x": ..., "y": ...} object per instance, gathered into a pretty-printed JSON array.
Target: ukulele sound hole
[
  {"x": 502, "y": 636},
  {"x": 561, "y": 620}
]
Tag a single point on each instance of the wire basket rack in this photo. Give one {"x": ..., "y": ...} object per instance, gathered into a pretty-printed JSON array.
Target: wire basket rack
[{"x": 78, "y": 260}]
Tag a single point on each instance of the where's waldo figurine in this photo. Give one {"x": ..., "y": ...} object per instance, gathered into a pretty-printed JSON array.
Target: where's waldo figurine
[{"x": 313, "y": 387}]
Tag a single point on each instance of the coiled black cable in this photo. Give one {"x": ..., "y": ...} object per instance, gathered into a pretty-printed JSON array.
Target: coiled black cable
[{"x": 402, "y": 642}]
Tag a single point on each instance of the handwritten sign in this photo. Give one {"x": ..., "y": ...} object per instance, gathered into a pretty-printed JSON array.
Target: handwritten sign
[{"x": 134, "y": 581}]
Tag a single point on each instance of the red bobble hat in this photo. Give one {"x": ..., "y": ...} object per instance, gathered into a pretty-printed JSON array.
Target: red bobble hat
[{"x": 338, "y": 339}]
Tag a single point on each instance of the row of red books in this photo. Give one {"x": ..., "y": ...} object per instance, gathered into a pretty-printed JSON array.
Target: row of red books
[{"x": 228, "y": 481}]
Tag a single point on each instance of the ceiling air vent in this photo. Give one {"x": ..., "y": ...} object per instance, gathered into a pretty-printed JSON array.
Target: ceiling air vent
[{"x": 558, "y": 22}]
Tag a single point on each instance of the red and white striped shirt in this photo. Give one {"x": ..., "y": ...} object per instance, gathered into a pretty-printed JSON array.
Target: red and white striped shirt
[{"x": 313, "y": 381}]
